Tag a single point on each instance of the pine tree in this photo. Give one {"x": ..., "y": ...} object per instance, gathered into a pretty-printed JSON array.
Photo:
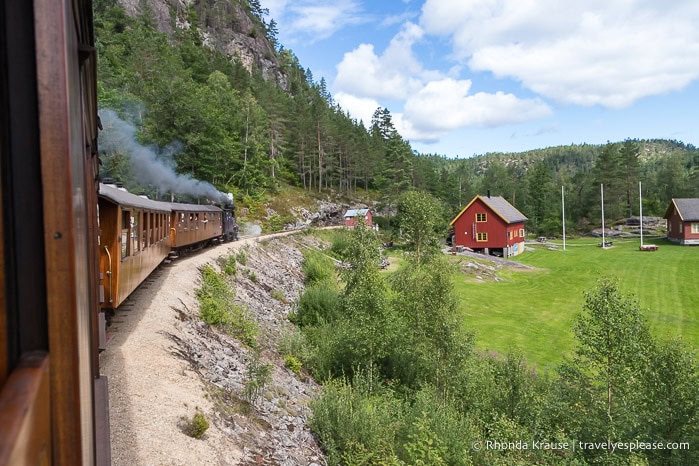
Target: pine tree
[{"x": 629, "y": 154}]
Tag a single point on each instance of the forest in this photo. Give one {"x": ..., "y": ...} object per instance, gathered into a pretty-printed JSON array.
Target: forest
[{"x": 249, "y": 136}]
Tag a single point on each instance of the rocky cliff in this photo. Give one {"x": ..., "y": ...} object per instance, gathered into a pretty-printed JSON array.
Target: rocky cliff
[{"x": 224, "y": 25}]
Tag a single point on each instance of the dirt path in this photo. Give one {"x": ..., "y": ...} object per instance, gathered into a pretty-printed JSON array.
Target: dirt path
[{"x": 151, "y": 389}]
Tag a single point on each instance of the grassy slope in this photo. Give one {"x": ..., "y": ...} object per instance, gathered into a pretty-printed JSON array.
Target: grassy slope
[{"x": 534, "y": 311}]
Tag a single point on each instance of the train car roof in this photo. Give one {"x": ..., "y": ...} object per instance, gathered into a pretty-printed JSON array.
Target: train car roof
[
  {"x": 194, "y": 207},
  {"x": 127, "y": 199}
]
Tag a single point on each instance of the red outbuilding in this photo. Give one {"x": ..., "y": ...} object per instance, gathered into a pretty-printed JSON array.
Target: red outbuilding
[
  {"x": 683, "y": 221},
  {"x": 490, "y": 225},
  {"x": 353, "y": 215}
]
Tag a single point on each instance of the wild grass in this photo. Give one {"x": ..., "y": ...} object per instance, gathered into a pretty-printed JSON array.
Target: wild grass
[
  {"x": 533, "y": 311},
  {"x": 317, "y": 267},
  {"x": 217, "y": 308}
]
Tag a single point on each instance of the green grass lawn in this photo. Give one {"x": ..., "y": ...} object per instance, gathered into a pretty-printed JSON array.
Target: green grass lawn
[{"x": 533, "y": 311}]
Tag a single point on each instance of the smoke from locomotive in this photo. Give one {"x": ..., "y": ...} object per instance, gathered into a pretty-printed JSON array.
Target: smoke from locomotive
[{"x": 151, "y": 165}]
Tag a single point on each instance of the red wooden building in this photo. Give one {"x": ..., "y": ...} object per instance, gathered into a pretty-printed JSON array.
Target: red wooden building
[
  {"x": 490, "y": 225},
  {"x": 353, "y": 215},
  {"x": 683, "y": 221}
]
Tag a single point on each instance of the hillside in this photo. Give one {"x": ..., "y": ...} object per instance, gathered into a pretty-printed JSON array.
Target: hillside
[
  {"x": 192, "y": 367},
  {"x": 232, "y": 28}
]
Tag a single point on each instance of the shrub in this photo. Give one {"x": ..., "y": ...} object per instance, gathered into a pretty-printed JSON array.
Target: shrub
[
  {"x": 214, "y": 294},
  {"x": 277, "y": 222},
  {"x": 293, "y": 342},
  {"x": 319, "y": 303},
  {"x": 292, "y": 363},
  {"x": 278, "y": 295},
  {"x": 227, "y": 264},
  {"x": 436, "y": 432},
  {"x": 257, "y": 376},
  {"x": 424, "y": 447},
  {"x": 241, "y": 258},
  {"x": 197, "y": 426},
  {"x": 217, "y": 308},
  {"x": 357, "y": 422},
  {"x": 340, "y": 244},
  {"x": 252, "y": 276},
  {"x": 317, "y": 267}
]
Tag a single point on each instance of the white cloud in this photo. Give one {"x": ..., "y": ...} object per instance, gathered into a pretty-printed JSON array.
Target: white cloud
[
  {"x": 315, "y": 18},
  {"x": 276, "y": 8},
  {"x": 398, "y": 19},
  {"x": 606, "y": 52},
  {"x": 360, "y": 108},
  {"x": 434, "y": 103},
  {"x": 393, "y": 75},
  {"x": 446, "y": 105},
  {"x": 410, "y": 132}
]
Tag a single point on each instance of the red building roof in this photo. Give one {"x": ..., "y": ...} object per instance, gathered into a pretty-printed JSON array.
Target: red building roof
[
  {"x": 688, "y": 209},
  {"x": 503, "y": 209}
]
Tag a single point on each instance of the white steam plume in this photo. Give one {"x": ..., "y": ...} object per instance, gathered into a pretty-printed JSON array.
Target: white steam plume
[{"x": 151, "y": 165}]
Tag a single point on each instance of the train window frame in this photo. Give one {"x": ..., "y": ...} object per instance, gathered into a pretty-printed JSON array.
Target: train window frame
[
  {"x": 125, "y": 234},
  {"x": 144, "y": 236},
  {"x": 135, "y": 230}
]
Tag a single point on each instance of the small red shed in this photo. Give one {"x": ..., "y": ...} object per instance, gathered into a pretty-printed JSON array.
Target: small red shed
[
  {"x": 682, "y": 217},
  {"x": 490, "y": 225},
  {"x": 353, "y": 215}
]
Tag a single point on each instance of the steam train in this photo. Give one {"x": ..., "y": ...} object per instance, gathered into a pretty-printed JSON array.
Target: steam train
[
  {"x": 69, "y": 247},
  {"x": 137, "y": 234}
]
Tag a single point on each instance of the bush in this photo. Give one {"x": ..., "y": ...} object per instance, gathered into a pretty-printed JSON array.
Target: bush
[
  {"x": 295, "y": 344},
  {"x": 252, "y": 276},
  {"x": 292, "y": 363},
  {"x": 257, "y": 376},
  {"x": 435, "y": 432},
  {"x": 340, "y": 244},
  {"x": 319, "y": 303},
  {"x": 357, "y": 424},
  {"x": 317, "y": 267},
  {"x": 279, "y": 296},
  {"x": 227, "y": 264},
  {"x": 217, "y": 308},
  {"x": 424, "y": 447},
  {"x": 197, "y": 426}
]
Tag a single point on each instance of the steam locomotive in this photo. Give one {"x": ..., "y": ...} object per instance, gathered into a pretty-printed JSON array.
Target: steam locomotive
[{"x": 69, "y": 247}]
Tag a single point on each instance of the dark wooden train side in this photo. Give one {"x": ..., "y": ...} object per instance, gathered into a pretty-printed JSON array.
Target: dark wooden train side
[
  {"x": 52, "y": 398},
  {"x": 134, "y": 240},
  {"x": 194, "y": 226}
]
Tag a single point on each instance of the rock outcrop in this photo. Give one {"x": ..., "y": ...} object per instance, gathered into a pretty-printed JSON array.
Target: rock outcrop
[{"x": 224, "y": 25}]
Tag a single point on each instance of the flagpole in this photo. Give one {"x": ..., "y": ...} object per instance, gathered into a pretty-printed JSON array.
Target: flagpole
[
  {"x": 640, "y": 210},
  {"x": 563, "y": 209},
  {"x": 601, "y": 189}
]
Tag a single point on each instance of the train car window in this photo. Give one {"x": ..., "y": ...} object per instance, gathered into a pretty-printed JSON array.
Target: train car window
[
  {"x": 135, "y": 224},
  {"x": 196, "y": 221},
  {"x": 144, "y": 236},
  {"x": 125, "y": 228}
]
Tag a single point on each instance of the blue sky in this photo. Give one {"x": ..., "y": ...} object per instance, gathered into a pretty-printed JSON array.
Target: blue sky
[{"x": 465, "y": 77}]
